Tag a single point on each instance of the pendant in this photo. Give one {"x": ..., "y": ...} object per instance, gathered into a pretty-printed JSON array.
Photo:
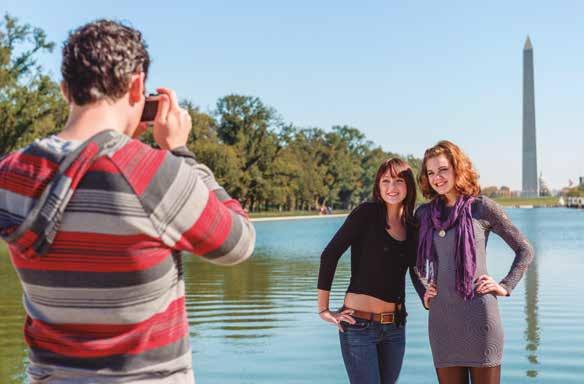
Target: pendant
[{"x": 442, "y": 233}]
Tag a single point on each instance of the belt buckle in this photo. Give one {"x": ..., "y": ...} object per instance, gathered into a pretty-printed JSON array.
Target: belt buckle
[{"x": 390, "y": 318}]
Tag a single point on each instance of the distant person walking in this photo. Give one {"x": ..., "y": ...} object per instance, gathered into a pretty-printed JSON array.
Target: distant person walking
[
  {"x": 95, "y": 221},
  {"x": 381, "y": 235},
  {"x": 466, "y": 334}
]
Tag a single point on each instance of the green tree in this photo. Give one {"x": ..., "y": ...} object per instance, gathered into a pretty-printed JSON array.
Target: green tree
[
  {"x": 222, "y": 160},
  {"x": 252, "y": 129},
  {"x": 576, "y": 191},
  {"x": 490, "y": 191},
  {"x": 369, "y": 165},
  {"x": 308, "y": 150},
  {"x": 504, "y": 191},
  {"x": 341, "y": 171},
  {"x": 204, "y": 124},
  {"x": 30, "y": 102}
]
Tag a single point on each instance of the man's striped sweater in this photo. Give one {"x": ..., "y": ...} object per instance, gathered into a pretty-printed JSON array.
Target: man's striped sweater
[{"x": 106, "y": 298}]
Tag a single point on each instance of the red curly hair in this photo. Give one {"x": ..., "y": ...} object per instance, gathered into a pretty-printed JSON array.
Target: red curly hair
[{"x": 466, "y": 178}]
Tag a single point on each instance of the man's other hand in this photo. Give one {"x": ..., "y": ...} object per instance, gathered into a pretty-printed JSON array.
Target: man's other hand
[{"x": 172, "y": 123}]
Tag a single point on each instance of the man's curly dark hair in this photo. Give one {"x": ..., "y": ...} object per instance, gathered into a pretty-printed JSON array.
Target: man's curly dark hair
[{"x": 99, "y": 59}]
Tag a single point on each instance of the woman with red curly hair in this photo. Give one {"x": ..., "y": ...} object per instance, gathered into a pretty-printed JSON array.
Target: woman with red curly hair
[{"x": 466, "y": 334}]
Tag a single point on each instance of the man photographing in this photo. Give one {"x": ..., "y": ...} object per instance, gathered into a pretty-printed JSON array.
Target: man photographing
[{"x": 95, "y": 222}]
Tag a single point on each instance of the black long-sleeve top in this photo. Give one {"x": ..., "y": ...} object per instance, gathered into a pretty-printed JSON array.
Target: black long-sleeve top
[{"x": 378, "y": 261}]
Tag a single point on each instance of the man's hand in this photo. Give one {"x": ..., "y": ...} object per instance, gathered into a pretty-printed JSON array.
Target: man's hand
[
  {"x": 172, "y": 123},
  {"x": 142, "y": 127}
]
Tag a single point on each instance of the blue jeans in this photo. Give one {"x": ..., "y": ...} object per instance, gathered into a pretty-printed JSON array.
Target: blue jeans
[{"x": 373, "y": 353}]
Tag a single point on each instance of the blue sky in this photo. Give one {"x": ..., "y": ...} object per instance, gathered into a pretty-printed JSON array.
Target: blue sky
[{"x": 405, "y": 73}]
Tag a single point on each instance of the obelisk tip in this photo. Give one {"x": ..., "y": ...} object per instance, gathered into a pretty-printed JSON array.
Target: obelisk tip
[{"x": 527, "y": 44}]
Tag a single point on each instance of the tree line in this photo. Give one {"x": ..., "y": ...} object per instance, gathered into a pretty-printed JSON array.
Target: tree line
[
  {"x": 575, "y": 191},
  {"x": 262, "y": 160}
]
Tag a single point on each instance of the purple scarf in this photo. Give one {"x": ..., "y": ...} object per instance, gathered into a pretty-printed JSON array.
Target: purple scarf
[{"x": 465, "y": 255}]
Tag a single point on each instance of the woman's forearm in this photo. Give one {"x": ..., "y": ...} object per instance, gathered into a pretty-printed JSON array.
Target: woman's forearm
[{"x": 323, "y": 300}]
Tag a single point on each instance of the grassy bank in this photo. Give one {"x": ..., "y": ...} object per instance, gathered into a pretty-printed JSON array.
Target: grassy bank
[
  {"x": 257, "y": 215},
  {"x": 504, "y": 201},
  {"x": 549, "y": 201}
]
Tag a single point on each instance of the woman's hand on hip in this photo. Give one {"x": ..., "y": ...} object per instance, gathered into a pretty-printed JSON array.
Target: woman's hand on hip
[
  {"x": 485, "y": 284},
  {"x": 337, "y": 317},
  {"x": 430, "y": 293}
]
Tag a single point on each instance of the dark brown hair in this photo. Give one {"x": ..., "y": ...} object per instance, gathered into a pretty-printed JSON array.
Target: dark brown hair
[
  {"x": 466, "y": 178},
  {"x": 398, "y": 168},
  {"x": 99, "y": 59}
]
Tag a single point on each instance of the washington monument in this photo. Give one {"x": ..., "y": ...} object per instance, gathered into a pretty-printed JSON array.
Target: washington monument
[{"x": 529, "y": 177}]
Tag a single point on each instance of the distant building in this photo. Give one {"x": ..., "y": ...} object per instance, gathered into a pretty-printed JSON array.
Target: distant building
[
  {"x": 515, "y": 193},
  {"x": 543, "y": 187}
]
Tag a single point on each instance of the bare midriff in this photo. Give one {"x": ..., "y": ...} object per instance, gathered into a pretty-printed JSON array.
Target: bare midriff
[{"x": 368, "y": 303}]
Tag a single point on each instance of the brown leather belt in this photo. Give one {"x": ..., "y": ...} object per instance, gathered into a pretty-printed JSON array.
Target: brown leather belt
[{"x": 382, "y": 318}]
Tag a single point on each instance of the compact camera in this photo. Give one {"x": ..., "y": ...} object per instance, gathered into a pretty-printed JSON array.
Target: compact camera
[{"x": 150, "y": 108}]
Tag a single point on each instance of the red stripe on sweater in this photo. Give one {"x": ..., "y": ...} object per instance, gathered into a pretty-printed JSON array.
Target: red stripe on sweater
[
  {"x": 102, "y": 340},
  {"x": 104, "y": 164},
  {"x": 22, "y": 246},
  {"x": 151, "y": 162},
  {"x": 95, "y": 252},
  {"x": 76, "y": 171},
  {"x": 139, "y": 163},
  {"x": 25, "y": 161},
  {"x": 209, "y": 231},
  {"x": 25, "y": 174},
  {"x": 236, "y": 207}
]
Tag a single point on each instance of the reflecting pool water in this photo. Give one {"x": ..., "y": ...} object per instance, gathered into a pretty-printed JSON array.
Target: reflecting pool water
[{"x": 257, "y": 323}]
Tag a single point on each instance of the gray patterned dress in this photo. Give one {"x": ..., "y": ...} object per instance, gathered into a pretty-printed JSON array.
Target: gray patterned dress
[{"x": 470, "y": 333}]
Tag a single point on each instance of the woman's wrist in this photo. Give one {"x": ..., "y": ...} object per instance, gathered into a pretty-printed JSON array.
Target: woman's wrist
[{"x": 320, "y": 312}]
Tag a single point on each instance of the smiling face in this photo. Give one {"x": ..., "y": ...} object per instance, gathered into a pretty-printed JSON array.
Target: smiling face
[
  {"x": 440, "y": 175},
  {"x": 395, "y": 186},
  {"x": 392, "y": 190},
  {"x": 448, "y": 172}
]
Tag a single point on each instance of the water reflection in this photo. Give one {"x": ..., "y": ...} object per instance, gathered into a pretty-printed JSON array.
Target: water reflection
[
  {"x": 532, "y": 330},
  {"x": 266, "y": 295},
  {"x": 250, "y": 301},
  {"x": 256, "y": 322}
]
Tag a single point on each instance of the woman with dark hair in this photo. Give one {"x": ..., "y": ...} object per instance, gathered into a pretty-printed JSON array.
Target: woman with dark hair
[
  {"x": 465, "y": 328},
  {"x": 381, "y": 236}
]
